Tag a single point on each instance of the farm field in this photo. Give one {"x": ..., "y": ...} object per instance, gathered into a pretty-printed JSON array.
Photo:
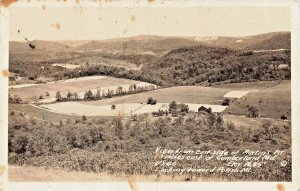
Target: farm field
[
  {"x": 249, "y": 85},
  {"x": 31, "y": 92},
  {"x": 43, "y": 114},
  {"x": 128, "y": 109},
  {"x": 193, "y": 96},
  {"x": 271, "y": 102},
  {"x": 180, "y": 94}
]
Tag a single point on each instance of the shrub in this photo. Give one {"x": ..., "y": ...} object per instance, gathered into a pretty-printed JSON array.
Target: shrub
[
  {"x": 283, "y": 117},
  {"x": 226, "y": 102},
  {"x": 58, "y": 96},
  {"x": 153, "y": 102},
  {"x": 253, "y": 112},
  {"x": 267, "y": 126},
  {"x": 230, "y": 126},
  {"x": 88, "y": 95},
  {"x": 183, "y": 108},
  {"x": 149, "y": 100}
]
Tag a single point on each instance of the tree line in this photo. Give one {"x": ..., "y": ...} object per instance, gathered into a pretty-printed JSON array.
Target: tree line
[{"x": 98, "y": 95}]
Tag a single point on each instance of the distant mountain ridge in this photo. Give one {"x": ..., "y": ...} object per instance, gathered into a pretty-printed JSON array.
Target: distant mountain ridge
[{"x": 161, "y": 44}]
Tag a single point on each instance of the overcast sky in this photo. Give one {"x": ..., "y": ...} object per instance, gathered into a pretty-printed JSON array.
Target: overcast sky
[{"x": 49, "y": 23}]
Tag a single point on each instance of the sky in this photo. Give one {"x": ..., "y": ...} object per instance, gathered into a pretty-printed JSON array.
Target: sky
[{"x": 69, "y": 23}]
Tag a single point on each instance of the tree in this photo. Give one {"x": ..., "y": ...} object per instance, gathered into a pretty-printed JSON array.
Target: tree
[
  {"x": 103, "y": 93},
  {"x": 69, "y": 95},
  {"x": 209, "y": 110},
  {"x": 119, "y": 90},
  {"x": 98, "y": 95},
  {"x": 154, "y": 101},
  {"x": 130, "y": 89},
  {"x": 183, "y": 108},
  {"x": 283, "y": 117},
  {"x": 219, "y": 121},
  {"x": 149, "y": 100},
  {"x": 118, "y": 127},
  {"x": 172, "y": 106},
  {"x": 58, "y": 96},
  {"x": 21, "y": 142},
  {"x": 10, "y": 99},
  {"x": 88, "y": 95},
  {"x": 110, "y": 93},
  {"x": 226, "y": 102},
  {"x": 211, "y": 119},
  {"x": 253, "y": 112},
  {"x": 266, "y": 126},
  {"x": 75, "y": 96}
]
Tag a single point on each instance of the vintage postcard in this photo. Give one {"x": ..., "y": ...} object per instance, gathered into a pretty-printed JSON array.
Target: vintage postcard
[{"x": 149, "y": 95}]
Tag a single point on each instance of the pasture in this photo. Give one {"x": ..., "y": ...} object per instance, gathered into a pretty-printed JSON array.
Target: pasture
[{"x": 272, "y": 102}]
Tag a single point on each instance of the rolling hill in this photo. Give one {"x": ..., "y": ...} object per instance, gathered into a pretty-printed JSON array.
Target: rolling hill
[
  {"x": 198, "y": 64},
  {"x": 267, "y": 41},
  {"x": 160, "y": 44},
  {"x": 176, "y": 60}
]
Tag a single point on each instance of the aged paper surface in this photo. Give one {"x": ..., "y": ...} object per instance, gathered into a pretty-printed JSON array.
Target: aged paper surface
[{"x": 149, "y": 95}]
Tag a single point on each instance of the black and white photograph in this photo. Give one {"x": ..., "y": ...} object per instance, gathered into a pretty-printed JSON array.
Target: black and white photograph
[{"x": 151, "y": 93}]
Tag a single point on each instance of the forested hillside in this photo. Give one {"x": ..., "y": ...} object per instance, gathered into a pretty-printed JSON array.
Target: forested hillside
[{"x": 198, "y": 64}]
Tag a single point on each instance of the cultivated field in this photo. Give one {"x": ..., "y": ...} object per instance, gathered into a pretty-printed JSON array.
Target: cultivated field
[
  {"x": 128, "y": 109},
  {"x": 248, "y": 85},
  {"x": 30, "y": 92},
  {"x": 180, "y": 94}
]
